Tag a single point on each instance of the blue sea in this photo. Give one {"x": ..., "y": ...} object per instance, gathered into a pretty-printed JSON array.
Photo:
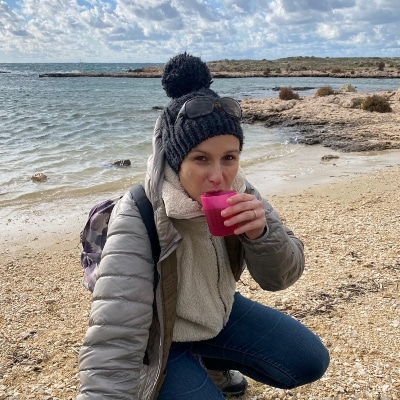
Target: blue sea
[{"x": 74, "y": 129}]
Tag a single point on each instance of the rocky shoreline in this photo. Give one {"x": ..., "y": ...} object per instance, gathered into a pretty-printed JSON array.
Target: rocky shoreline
[
  {"x": 342, "y": 67},
  {"x": 331, "y": 121},
  {"x": 156, "y": 72}
]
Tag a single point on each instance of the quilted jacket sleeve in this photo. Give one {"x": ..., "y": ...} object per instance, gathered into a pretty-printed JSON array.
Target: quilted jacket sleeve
[
  {"x": 115, "y": 342},
  {"x": 276, "y": 259}
]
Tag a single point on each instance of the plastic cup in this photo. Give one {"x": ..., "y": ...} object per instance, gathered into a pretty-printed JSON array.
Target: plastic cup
[{"x": 213, "y": 203}]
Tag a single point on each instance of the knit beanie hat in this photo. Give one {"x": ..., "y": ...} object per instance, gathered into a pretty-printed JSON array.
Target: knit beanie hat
[{"x": 185, "y": 77}]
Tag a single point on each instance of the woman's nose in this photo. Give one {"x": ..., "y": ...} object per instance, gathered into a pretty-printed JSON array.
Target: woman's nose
[{"x": 215, "y": 174}]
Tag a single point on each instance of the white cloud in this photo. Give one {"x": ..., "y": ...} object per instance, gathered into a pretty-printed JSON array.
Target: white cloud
[
  {"x": 327, "y": 31},
  {"x": 153, "y": 30}
]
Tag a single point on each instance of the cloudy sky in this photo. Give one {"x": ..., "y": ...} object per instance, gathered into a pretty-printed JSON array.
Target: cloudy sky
[{"x": 154, "y": 30}]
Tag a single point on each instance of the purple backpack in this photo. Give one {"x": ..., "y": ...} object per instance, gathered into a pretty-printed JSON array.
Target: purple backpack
[{"x": 94, "y": 234}]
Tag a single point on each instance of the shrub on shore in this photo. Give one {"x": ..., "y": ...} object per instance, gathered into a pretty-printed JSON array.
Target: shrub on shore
[
  {"x": 324, "y": 91},
  {"x": 376, "y": 103},
  {"x": 357, "y": 102},
  {"x": 286, "y": 93}
]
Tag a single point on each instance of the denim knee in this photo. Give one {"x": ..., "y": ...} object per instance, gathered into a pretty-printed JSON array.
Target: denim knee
[{"x": 314, "y": 365}]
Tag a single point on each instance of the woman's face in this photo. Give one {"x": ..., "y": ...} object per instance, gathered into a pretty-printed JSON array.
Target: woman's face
[{"x": 211, "y": 165}]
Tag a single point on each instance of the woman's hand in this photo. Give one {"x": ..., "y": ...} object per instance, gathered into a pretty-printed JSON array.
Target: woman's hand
[{"x": 248, "y": 212}]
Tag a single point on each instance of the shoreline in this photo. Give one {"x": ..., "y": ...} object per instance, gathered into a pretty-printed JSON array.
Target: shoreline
[
  {"x": 343, "y": 67},
  {"x": 334, "y": 121},
  {"x": 154, "y": 72},
  {"x": 357, "y": 141},
  {"x": 36, "y": 226},
  {"x": 348, "y": 295}
]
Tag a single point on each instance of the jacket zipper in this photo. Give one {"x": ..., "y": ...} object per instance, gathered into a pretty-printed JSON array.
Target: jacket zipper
[{"x": 218, "y": 272}]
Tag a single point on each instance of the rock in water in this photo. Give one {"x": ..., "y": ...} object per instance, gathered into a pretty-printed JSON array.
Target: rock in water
[
  {"x": 122, "y": 163},
  {"x": 329, "y": 157},
  {"x": 39, "y": 177},
  {"x": 347, "y": 88}
]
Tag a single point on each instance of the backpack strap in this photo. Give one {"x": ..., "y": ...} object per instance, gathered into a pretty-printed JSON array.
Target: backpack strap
[{"x": 147, "y": 213}]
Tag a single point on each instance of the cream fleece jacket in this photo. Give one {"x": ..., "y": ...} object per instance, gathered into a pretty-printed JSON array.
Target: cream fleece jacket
[{"x": 206, "y": 285}]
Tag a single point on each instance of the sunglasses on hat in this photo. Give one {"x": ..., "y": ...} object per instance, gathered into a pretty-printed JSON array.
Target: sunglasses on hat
[{"x": 204, "y": 105}]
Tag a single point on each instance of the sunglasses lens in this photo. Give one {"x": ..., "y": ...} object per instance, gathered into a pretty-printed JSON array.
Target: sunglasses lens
[
  {"x": 202, "y": 105},
  {"x": 231, "y": 107},
  {"x": 198, "y": 107}
]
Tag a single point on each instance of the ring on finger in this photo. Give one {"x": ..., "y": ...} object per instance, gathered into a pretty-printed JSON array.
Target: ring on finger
[{"x": 255, "y": 214}]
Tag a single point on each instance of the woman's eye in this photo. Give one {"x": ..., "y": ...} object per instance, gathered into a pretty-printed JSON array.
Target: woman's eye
[
  {"x": 230, "y": 157},
  {"x": 200, "y": 158}
]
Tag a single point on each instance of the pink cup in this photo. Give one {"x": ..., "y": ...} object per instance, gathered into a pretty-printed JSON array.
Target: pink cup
[{"x": 213, "y": 203}]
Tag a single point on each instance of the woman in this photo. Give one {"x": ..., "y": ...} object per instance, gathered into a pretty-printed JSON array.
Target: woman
[{"x": 185, "y": 332}]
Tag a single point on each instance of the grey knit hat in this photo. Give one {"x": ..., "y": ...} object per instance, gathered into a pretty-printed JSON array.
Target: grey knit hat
[{"x": 184, "y": 78}]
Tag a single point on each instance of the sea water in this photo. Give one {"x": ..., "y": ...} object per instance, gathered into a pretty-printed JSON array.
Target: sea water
[{"x": 74, "y": 129}]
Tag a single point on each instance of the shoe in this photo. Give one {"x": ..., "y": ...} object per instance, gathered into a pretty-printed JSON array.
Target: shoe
[{"x": 231, "y": 383}]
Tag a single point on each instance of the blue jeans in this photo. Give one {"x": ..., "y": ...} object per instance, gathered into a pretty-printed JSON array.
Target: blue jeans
[{"x": 260, "y": 342}]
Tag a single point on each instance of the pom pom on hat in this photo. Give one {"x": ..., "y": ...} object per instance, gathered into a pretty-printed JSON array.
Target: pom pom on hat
[
  {"x": 184, "y": 74},
  {"x": 184, "y": 78}
]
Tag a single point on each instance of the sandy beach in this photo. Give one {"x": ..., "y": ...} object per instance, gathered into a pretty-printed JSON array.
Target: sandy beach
[{"x": 349, "y": 293}]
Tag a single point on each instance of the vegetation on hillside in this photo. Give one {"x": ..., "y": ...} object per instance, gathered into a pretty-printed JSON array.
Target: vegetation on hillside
[{"x": 338, "y": 65}]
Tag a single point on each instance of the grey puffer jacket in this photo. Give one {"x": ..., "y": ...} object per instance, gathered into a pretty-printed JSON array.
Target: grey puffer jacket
[{"x": 130, "y": 329}]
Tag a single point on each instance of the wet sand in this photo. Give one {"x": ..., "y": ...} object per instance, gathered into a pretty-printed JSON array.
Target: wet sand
[{"x": 28, "y": 228}]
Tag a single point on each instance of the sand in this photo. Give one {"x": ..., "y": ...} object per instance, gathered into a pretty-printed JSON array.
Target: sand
[{"x": 348, "y": 294}]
